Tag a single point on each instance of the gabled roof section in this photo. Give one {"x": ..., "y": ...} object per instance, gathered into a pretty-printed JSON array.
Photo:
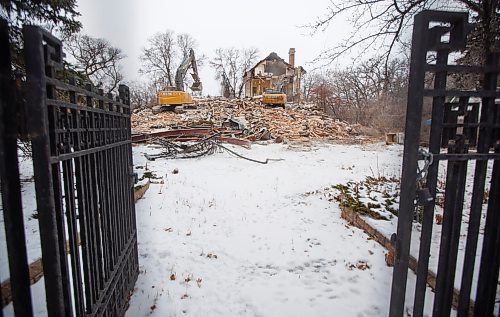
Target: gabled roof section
[{"x": 271, "y": 57}]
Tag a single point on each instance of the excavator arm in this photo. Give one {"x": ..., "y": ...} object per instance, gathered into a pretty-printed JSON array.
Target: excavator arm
[{"x": 188, "y": 62}]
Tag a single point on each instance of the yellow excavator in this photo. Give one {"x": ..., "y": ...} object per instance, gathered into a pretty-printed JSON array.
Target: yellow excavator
[
  {"x": 170, "y": 96},
  {"x": 273, "y": 98}
]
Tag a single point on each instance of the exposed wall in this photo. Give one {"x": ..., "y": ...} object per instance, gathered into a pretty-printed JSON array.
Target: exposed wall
[{"x": 276, "y": 68}]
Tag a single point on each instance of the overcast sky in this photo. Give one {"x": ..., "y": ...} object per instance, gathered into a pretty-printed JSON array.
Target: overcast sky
[{"x": 270, "y": 26}]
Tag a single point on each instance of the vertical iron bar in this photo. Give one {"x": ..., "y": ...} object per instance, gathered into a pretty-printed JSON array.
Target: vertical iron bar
[
  {"x": 94, "y": 201},
  {"x": 408, "y": 177},
  {"x": 428, "y": 216},
  {"x": 78, "y": 142},
  {"x": 85, "y": 235},
  {"x": 450, "y": 197},
  {"x": 483, "y": 144},
  {"x": 450, "y": 235},
  {"x": 92, "y": 234},
  {"x": 38, "y": 126},
  {"x": 129, "y": 188},
  {"x": 61, "y": 228},
  {"x": 97, "y": 224},
  {"x": 119, "y": 191},
  {"x": 86, "y": 219},
  {"x": 55, "y": 124},
  {"x": 110, "y": 210},
  {"x": 71, "y": 218},
  {"x": 104, "y": 215},
  {"x": 115, "y": 193},
  {"x": 11, "y": 186},
  {"x": 121, "y": 197},
  {"x": 490, "y": 257}
]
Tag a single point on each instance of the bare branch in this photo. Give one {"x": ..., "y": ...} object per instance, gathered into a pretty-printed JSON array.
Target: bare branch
[
  {"x": 96, "y": 59},
  {"x": 230, "y": 65},
  {"x": 377, "y": 24}
]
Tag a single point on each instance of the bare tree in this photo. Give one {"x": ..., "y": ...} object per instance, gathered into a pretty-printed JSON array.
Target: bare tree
[
  {"x": 157, "y": 57},
  {"x": 308, "y": 82},
  {"x": 96, "y": 59},
  {"x": 185, "y": 42},
  {"x": 324, "y": 95},
  {"x": 366, "y": 94},
  {"x": 142, "y": 95},
  {"x": 230, "y": 64},
  {"x": 164, "y": 53},
  {"x": 380, "y": 24}
]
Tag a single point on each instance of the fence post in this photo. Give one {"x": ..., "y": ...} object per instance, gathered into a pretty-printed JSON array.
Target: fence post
[
  {"x": 38, "y": 131},
  {"x": 11, "y": 187}
]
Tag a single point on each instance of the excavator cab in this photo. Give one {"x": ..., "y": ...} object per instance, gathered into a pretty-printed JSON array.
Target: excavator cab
[{"x": 274, "y": 98}]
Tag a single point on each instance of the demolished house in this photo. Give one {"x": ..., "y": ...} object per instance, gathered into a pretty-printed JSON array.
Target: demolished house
[{"x": 274, "y": 73}]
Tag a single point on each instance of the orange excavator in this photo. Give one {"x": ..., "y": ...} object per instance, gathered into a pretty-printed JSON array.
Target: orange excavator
[
  {"x": 274, "y": 97},
  {"x": 170, "y": 96}
]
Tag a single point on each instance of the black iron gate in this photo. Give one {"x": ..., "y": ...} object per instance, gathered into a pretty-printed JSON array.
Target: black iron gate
[
  {"x": 82, "y": 158},
  {"x": 467, "y": 123}
]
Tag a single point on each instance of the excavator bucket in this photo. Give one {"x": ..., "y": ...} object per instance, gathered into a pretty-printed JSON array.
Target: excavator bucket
[{"x": 196, "y": 86}]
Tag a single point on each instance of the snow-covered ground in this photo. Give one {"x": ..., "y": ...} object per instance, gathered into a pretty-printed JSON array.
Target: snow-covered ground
[
  {"x": 229, "y": 237},
  {"x": 30, "y": 219},
  {"x": 377, "y": 192}
]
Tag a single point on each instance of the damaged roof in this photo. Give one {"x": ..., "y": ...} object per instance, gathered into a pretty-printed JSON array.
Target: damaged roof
[{"x": 271, "y": 57}]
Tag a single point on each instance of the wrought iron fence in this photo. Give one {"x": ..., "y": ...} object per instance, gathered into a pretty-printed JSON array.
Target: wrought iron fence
[
  {"x": 467, "y": 123},
  {"x": 82, "y": 158}
]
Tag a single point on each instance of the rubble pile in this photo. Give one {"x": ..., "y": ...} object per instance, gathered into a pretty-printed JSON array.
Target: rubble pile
[{"x": 256, "y": 121}]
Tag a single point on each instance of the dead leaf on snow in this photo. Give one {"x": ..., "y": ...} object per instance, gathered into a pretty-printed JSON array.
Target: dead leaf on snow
[
  {"x": 439, "y": 219},
  {"x": 362, "y": 265},
  {"x": 389, "y": 258}
]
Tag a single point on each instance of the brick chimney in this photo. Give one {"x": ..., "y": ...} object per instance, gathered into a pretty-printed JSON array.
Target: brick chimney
[{"x": 291, "y": 57}]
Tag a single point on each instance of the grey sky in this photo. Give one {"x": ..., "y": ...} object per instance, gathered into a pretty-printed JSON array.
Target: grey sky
[{"x": 267, "y": 25}]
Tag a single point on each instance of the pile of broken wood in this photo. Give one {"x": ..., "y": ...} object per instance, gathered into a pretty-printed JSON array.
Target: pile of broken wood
[{"x": 255, "y": 121}]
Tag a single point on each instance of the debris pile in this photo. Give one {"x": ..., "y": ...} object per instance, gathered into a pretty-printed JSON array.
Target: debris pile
[{"x": 255, "y": 121}]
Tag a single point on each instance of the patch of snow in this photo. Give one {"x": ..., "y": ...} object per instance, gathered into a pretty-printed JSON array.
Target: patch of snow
[{"x": 228, "y": 237}]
